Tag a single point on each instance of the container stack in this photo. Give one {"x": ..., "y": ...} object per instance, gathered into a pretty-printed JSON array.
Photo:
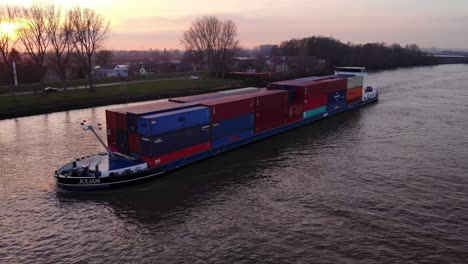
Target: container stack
[
  {"x": 170, "y": 135},
  {"x": 166, "y": 131},
  {"x": 354, "y": 89},
  {"x": 271, "y": 109},
  {"x": 315, "y": 95},
  {"x": 232, "y": 118}
]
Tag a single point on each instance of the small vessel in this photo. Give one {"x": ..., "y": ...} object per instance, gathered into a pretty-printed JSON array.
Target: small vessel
[{"x": 155, "y": 139}]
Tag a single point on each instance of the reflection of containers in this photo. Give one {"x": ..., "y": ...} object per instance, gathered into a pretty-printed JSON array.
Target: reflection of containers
[
  {"x": 228, "y": 107},
  {"x": 354, "y": 95},
  {"x": 175, "y": 140},
  {"x": 315, "y": 111},
  {"x": 156, "y": 124},
  {"x": 175, "y": 155}
]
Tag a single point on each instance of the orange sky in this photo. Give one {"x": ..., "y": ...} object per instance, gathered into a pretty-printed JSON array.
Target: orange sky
[{"x": 139, "y": 24}]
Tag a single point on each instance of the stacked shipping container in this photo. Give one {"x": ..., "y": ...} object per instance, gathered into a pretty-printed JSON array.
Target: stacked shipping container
[
  {"x": 354, "y": 89},
  {"x": 162, "y": 132}
]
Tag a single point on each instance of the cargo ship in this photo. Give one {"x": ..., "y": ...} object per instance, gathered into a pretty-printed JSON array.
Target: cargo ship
[{"x": 149, "y": 140}]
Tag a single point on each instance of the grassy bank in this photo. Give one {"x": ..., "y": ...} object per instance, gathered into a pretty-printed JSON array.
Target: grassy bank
[
  {"x": 27, "y": 87},
  {"x": 22, "y": 105}
]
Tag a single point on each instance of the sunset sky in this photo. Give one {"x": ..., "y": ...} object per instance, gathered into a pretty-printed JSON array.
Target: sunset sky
[{"x": 140, "y": 24}]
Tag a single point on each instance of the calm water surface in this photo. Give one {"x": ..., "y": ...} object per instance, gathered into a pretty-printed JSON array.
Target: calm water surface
[{"x": 387, "y": 183}]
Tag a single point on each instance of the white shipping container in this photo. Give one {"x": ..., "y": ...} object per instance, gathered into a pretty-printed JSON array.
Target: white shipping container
[{"x": 355, "y": 81}]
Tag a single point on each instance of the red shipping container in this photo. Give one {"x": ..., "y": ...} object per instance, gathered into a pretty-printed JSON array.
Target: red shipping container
[
  {"x": 269, "y": 99},
  {"x": 296, "y": 109},
  {"x": 295, "y": 118},
  {"x": 134, "y": 142},
  {"x": 155, "y": 161},
  {"x": 315, "y": 101},
  {"x": 272, "y": 115},
  {"x": 113, "y": 149},
  {"x": 121, "y": 120},
  {"x": 112, "y": 138},
  {"x": 111, "y": 119},
  {"x": 267, "y": 126},
  {"x": 313, "y": 87},
  {"x": 228, "y": 107}
]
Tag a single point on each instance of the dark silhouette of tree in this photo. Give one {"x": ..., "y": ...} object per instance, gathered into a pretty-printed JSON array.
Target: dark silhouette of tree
[
  {"x": 104, "y": 57},
  {"x": 61, "y": 37},
  {"x": 34, "y": 32},
  {"x": 89, "y": 32},
  {"x": 370, "y": 55},
  {"x": 7, "y": 41},
  {"x": 212, "y": 42}
]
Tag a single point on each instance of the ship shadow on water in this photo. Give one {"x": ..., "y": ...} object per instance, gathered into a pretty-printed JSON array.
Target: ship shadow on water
[{"x": 204, "y": 182}]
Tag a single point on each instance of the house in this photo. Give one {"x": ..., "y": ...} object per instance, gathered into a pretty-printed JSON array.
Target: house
[{"x": 110, "y": 71}]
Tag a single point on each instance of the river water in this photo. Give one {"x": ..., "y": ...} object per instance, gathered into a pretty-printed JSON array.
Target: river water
[{"x": 387, "y": 183}]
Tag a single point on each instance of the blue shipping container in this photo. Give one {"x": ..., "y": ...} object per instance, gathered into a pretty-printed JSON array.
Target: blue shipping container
[
  {"x": 230, "y": 138},
  {"x": 122, "y": 141},
  {"x": 179, "y": 139},
  {"x": 134, "y": 155},
  {"x": 134, "y": 115},
  {"x": 232, "y": 125},
  {"x": 291, "y": 92},
  {"x": 337, "y": 96},
  {"x": 160, "y": 123},
  {"x": 336, "y": 105}
]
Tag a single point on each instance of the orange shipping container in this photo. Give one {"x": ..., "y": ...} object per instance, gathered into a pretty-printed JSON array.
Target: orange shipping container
[{"x": 353, "y": 94}]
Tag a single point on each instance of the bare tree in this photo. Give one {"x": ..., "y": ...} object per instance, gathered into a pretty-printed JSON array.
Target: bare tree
[
  {"x": 89, "y": 32},
  {"x": 212, "y": 41},
  {"x": 34, "y": 32},
  {"x": 7, "y": 40},
  {"x": 60, "y": 36}
]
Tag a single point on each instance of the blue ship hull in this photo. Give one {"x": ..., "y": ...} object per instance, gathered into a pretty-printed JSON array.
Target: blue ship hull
[{"x": 89, "y": 184}]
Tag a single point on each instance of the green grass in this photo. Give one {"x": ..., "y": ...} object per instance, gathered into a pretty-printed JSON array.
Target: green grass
[
  {"x": 27, "y": 87},
  {"x": 9, "y": 104}
]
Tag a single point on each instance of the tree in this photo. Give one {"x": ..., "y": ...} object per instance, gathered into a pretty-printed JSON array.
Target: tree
[
  {"x": 7, "y": 41},
  {"x": 104, "y": 57},
  {"x": 212, "y": 41},
  {"x": 60, "y": 36},
  {"x": 34, "y": 32},
  {"x": 89, "y": 32}
]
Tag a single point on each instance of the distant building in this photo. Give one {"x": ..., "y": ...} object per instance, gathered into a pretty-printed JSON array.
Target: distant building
[{"x": 110, "y": 71}]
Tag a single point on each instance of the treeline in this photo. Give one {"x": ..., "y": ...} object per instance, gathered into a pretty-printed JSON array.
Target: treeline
[
  {"x": 50, "y": 36},
  {"x": 370, "y": 55}
]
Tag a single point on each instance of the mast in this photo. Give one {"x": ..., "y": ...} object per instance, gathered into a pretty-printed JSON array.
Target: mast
[{"x": 86, "y": 126}]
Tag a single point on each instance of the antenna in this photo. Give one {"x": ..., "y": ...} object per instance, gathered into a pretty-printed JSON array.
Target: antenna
[{"x": 86, "y": 126}]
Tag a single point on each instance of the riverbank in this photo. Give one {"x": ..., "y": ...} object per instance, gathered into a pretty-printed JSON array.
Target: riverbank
[{"x": 26, "y": 105}]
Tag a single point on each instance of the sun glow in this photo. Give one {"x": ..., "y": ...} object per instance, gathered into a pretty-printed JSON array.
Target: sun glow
[{"x": 8, "y": 28}]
